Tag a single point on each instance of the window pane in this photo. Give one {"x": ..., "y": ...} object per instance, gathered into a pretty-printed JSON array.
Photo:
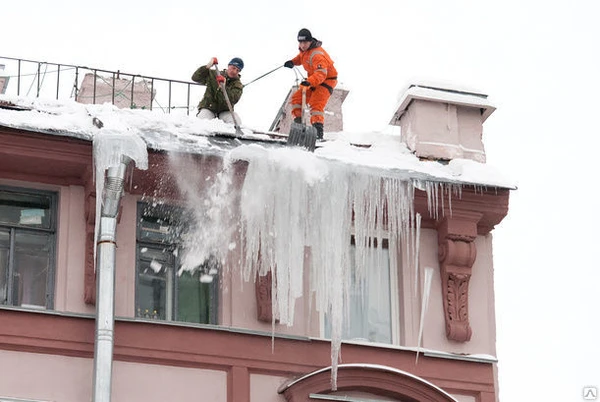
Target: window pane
[
  {"x": 164, "y": 291},
  {"x": 369, "y": 311},
  {"x": 32, "y": 262},
  {"x": 194, "y": 298},
  {"x": 370, "y": 301},
  {"x": 155, "y": 275},
  {"x": 25, "y": 209},
  {"x": 160, "y": 224},
  {"x": 4, "y": 248}
]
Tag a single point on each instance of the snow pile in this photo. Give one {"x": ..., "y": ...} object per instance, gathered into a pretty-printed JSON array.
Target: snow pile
[{"x": 180, "y": 132}]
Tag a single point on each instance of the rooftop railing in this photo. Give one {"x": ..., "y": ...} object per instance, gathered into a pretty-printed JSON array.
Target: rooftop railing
[{"x": 40, "y": 79}]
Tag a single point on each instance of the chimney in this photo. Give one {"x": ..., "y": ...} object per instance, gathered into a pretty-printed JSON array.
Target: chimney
[
  {"x": 442, "y": 124},
  {"x": 3, "y": 81},
  {"x": 122, "y": 92},
  {"x": 333, "y": 113}
]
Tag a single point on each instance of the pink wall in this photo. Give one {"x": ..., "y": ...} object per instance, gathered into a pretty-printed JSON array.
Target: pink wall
[
  {"x": 137, "y": 382},
  {"x": 125, "y": 262},
  {"x": 45, "y": 377},
  {"x": 260, "y": 384},
  {"x": 69, "y": 379},
  {"x": 71, "y": 252},
  {"x": 50, "y": 356}
]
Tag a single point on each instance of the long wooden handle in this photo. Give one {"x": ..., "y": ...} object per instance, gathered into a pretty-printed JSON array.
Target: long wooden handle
[
  {"x": 304, "y": 120},
  {"x": 222, "y": 86}
]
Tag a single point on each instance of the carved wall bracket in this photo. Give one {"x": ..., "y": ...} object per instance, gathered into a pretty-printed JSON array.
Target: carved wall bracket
[{"x": 456, "y": 254}]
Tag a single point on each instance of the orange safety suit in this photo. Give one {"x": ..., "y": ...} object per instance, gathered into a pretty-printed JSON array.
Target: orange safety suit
[{"x": 322, "y": 76}]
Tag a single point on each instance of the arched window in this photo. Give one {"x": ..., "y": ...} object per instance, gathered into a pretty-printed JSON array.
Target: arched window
[{"x": 363, "y": 381}]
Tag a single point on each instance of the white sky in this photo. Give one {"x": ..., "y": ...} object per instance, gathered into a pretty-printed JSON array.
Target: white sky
[{"x": 537, "y": 60}]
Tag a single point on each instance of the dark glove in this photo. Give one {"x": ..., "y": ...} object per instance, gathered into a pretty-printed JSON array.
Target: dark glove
[
  {"x": 220, "y": 79},
  {"x": 289, "y": 64},
  {"x": 305, "y": 83},
  {"x": 212, "y": 62}
]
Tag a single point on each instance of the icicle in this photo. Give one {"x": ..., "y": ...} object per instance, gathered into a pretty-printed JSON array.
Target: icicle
[
  {"x": 442, "y": 187},
  {"x": 417, "y": 249},
  {"x": 424, "y": 303},
  {"x": 317, "y": 206}
]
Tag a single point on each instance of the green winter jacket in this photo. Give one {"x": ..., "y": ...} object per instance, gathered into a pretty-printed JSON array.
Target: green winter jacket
[{"x": 213, "y": 99}]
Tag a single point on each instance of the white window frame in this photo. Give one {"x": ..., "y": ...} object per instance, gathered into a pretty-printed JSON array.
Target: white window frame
[{"x": 394, "y": 289}]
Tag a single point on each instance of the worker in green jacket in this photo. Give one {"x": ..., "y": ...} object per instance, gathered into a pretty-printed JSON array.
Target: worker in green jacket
[{"x": 213, "y": 103}]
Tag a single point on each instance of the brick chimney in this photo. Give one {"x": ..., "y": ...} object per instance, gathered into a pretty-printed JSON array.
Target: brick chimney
[
  {"x": 333, "y": 113},
  {"x": 442, "y": 124},
  {"x": 3, "y": 81},
  {"x": 123, "y": 93}
]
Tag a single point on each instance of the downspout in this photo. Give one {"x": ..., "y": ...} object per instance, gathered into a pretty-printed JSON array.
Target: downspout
[{"x": 105, "y": 304}]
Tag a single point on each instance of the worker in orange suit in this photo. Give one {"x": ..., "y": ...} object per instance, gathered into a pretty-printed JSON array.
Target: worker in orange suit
[{"x": 322, "y": 78}]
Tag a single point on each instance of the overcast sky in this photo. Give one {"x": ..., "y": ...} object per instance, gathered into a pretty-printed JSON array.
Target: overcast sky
[{"x": 537, "y": 60}]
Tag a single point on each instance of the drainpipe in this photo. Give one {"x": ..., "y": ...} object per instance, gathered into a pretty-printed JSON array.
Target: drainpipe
[{"x": 105, "y": 307}]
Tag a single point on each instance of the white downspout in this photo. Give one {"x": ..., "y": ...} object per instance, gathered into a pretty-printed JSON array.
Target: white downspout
[{"x": 106, "y": 256}]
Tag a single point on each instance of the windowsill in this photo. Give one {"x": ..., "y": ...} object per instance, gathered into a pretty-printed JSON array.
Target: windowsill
[
  {"x": 478, "y": 358},
  {"x": 157, "y": 322}
]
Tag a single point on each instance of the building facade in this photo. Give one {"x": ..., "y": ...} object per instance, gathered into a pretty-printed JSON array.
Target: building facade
[{"x": 214, "y": 332}]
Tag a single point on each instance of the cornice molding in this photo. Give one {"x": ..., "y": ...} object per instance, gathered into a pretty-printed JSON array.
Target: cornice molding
[{"x": 492, "y": 204}]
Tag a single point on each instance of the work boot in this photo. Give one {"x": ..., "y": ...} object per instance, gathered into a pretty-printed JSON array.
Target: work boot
[
  {"x": 319, "y": 127},
  {"x": 298, "y": 120}
]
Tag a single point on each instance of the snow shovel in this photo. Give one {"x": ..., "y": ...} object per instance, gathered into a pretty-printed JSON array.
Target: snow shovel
[
  {"x": 238, "y": 130},
  {"x": 303, "y": 134}
]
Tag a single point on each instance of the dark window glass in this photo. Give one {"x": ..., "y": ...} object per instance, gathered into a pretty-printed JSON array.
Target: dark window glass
[
  {"x": 164, "y": 291},
  {"x": 23, "y": 209},
  {"x": 27, "y": 243}
]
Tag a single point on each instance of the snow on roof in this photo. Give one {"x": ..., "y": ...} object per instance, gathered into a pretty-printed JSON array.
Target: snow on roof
[{"x": 381, "y": 152}]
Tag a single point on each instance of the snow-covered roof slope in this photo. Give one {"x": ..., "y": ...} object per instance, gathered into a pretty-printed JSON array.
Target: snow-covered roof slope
[{"x": 384, "y": 153}]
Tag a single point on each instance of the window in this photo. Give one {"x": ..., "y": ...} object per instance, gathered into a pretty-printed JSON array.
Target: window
[
  {"x": 370, "y": 306},
  {"x": 27, "y": 247},
  {"x": 163, "y": 290}
]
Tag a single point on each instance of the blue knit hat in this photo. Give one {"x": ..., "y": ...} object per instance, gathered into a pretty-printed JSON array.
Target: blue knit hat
[{"x": 237, "y": 62}]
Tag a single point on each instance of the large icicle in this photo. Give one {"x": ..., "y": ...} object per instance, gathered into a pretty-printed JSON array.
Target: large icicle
[
  {"x": 314, "y": 207},
  {"x": 278, "y": 207},
  {"x": 424, "y": 304},
  {"x": 417, "y": 249}
]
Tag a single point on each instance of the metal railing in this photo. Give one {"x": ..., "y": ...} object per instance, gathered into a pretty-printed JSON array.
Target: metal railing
[{"x": 30, "y": 78}]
